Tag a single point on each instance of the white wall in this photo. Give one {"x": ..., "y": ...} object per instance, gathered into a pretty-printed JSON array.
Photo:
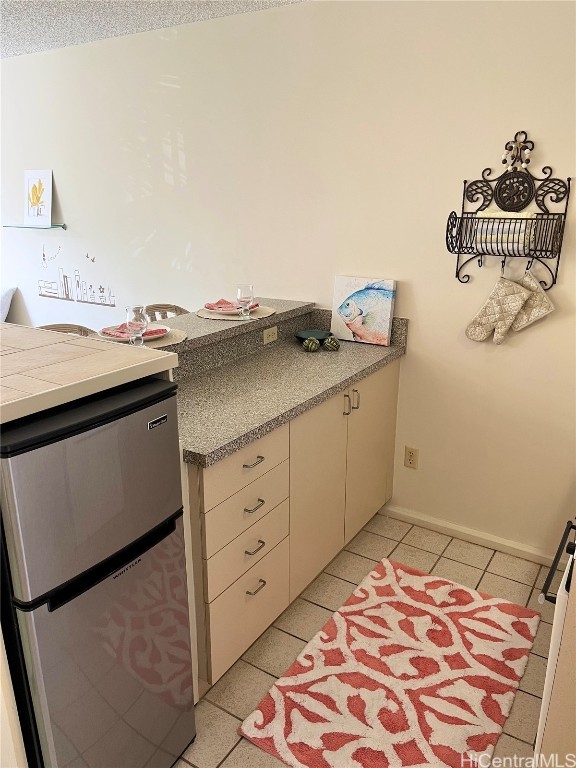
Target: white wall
[{"x": 290, "y": 145}]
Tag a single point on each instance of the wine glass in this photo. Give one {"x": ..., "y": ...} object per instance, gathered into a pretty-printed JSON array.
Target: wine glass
[
  {"x": 136, "y": 324},
  {"x": 245, "y": 298}
]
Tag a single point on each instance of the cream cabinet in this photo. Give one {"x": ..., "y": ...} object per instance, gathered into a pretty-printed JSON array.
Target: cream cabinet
[
  {"x": 247, "y": 608},
  {"x": 268, "y": 518},
  {"x": 341, "y": 469},
  {"x": 223, "y": 479},
  {"x": 240, "y": 537},
  {"x": 370, "y": 447},
  {"x": 317, "y": 490}
]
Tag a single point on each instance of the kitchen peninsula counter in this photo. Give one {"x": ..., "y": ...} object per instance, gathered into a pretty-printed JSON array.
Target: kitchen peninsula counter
[
  {"x": 41, "y": 369},
  {"x": 229, "y": 406},
  {"x": 202, "y": 332}
]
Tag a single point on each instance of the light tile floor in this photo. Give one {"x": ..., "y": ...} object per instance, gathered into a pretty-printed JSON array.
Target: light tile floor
[{"x": 240, "y": 690}]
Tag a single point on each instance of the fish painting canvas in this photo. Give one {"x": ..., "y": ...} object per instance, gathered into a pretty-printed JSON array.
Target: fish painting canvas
[{"x": 363, "y": 308}]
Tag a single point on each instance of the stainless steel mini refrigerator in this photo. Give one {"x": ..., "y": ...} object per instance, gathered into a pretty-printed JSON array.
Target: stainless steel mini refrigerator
[{"x": 94, "y": 599}]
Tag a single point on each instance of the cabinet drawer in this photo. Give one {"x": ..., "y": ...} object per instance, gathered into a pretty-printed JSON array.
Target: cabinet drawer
[
  {"x": 236, "y": 619},
  {"x": 227, "y": 565},
  {"x": 230, "y": 518},
  {"x": 226, "y": 477}
]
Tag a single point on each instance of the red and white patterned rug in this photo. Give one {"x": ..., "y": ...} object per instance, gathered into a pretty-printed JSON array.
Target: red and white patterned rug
[{"x": 413, "y": 670}]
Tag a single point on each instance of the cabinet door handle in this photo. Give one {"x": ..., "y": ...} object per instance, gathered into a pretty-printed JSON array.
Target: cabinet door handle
[
  {"x": 262, "y": 585},
  {"x": 259, "y": 460},
  {"x": 355, "y": 407},
  {"x": 261, "y": 502},
  {"x": 261, "y": 543},
  {"x": 349, "y": 411}
]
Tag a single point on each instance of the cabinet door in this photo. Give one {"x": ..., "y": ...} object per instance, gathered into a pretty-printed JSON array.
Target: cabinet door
[
  {"x": 240, "y": 614},
  {"x": 317, "y": 490},
  {"x": 370, "y": 454}
]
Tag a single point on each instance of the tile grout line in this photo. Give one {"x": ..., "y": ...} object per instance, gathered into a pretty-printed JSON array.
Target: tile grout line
[
  {"x": 350, "y": 551},
  {"x": 355, "y": 583},
  {"x": 296, "y": 637},
  {"x": 532, "y": 590},
  {"x": 327, "y": 608},
  {"x": 534, "y": 696},
  {"x": 219, "y": 706},
  {"x": 259, "y": 668},
  {"x": 435, "y": 563},
  {"x": 407, "y": 532},
  {"x": 530, "y": 744},
  {"x": 536, "y": 577},
  {"x": 229, "y": 753},
  {"x": 492, "y": 556},
  {"x": 363, "y": 530},
  {"x": 446, "y": 547},
  {"x": 452, "y": 560},
  {"x": 382, "y": 536},
  {"x": 421, "y": 549},
  {"x": 484, "y": 570}
]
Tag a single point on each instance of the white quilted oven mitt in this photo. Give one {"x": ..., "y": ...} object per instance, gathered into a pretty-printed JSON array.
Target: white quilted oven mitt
[
  {"x": 498, "y": 312},
  {"x": 537, "y": 305}
]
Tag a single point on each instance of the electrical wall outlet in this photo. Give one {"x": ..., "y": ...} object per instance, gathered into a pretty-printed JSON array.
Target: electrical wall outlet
[
  {"x": 411, "y": 457},
  {"x": 270, "y": 334}
]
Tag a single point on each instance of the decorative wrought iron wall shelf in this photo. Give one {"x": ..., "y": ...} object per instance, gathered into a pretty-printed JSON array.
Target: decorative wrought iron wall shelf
[{"x": 509, "y": 230}]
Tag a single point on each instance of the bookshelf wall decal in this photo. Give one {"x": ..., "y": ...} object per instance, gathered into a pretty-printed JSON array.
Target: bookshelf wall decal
[{"x": 68, "y": 288}]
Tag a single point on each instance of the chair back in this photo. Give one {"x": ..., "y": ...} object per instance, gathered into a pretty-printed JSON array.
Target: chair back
[
  {"x": 157, "y": 312},
  {"x": 81, "y": 330}
]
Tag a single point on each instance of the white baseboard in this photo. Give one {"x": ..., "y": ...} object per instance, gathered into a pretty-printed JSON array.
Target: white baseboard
[{"x": 468, "y": 534}]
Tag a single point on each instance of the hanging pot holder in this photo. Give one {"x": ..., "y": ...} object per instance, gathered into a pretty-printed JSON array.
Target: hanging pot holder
[
  {"x": 498, "y": 312},
  {"x": 537, "y": 305}
]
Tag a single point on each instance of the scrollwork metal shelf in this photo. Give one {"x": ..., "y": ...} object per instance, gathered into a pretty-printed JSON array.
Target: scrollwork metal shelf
[{"x": 510, "y": 230}]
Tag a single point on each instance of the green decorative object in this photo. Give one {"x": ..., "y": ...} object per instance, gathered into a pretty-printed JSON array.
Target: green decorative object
[
  {"x": 311, "y": 345},
  {"x": 312, "y": 333},
  {"x": 332, "y": 344}
]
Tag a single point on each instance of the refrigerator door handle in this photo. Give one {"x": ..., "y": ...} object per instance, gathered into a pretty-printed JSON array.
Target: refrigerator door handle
[{"x": 116, "y": 562}]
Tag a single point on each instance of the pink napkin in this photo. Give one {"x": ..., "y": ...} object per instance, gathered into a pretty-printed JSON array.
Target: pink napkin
[
  {"x": 121, "y": 332},
  {"x": 223, "y": 305}
]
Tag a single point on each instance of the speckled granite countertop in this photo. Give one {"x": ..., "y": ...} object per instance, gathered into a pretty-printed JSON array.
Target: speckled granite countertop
[
  {"x": 201, "y": 331},
  {"x": 230, "y": 406}
]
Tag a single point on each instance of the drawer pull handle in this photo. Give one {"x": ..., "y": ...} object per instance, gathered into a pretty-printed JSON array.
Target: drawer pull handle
[
  {"x": 261, "y": 543},
  {"x": 261, "y": 502},
  {"x": 259, "y": 460},
  {"x": 349, "y": 411},
  {"x": 355, "y": 407},
  {"x": 262, "y": 585}
]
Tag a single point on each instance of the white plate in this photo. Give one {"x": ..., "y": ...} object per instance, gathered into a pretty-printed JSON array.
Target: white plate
[{"x": 151, "y": 326}]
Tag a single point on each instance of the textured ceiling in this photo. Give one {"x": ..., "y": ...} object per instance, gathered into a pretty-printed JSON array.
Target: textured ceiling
[{"x": 31, "y": 26}]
